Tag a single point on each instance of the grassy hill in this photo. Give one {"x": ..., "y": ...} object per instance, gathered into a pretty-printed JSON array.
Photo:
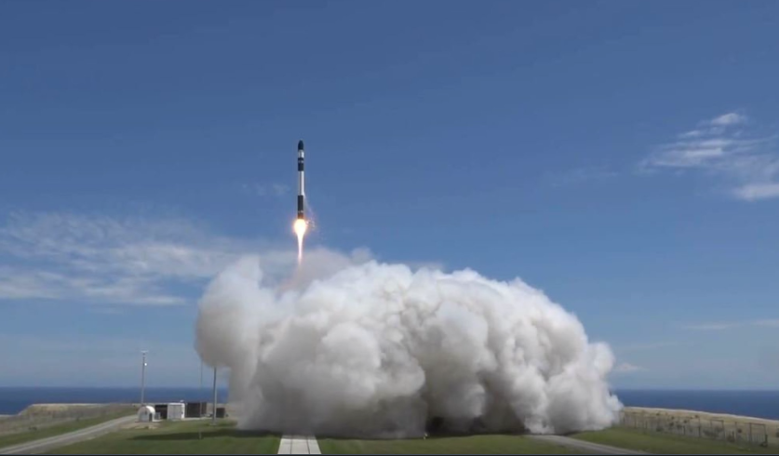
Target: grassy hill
[
  {"x": 658, "y": 443},
  {"x": 183, "y": 437}
]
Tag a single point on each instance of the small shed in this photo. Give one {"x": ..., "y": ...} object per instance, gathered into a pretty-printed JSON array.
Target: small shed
[
  {"x": 162, "y": 410},
  {"x": 196, "y": 409},
  {"x": 176, "y": 411},
  {"x": 146, "y": 414}
]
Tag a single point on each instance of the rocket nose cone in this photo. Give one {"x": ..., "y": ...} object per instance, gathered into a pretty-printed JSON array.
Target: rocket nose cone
[{"x": 300, "y": 145}]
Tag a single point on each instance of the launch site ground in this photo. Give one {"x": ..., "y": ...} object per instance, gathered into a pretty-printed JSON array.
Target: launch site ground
[
  {"x": 200, "y": 437},
  {"x": 46, "y": 432}
]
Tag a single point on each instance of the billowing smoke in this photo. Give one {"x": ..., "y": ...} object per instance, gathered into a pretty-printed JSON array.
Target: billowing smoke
[{"x": 348, "y": 346}]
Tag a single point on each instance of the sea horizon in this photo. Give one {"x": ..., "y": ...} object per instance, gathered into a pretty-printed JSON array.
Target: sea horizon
[{"x": 208, "y": 386}]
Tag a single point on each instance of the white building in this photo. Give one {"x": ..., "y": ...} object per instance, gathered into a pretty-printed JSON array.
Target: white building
[
  {"x": 176, "y": 411},
  {"x": 146, "y": 414}
]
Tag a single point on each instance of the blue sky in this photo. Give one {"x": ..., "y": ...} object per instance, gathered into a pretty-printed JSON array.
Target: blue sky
[{"x": 622, "y": 156}]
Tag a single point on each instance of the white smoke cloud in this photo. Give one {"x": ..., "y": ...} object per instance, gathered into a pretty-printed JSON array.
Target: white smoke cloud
[{"x": 352, "y": 347}]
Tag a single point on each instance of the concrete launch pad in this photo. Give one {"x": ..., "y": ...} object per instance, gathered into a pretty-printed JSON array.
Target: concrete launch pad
[{"x": 298, "y": 444}]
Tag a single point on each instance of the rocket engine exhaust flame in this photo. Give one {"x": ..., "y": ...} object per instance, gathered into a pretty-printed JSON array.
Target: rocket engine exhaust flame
[{"x": 299, "y": 227}]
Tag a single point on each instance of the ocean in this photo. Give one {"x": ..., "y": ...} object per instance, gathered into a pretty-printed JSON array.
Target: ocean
[
  {"x": 761, "y": 404},
  {"x": 758, "y": 404}
]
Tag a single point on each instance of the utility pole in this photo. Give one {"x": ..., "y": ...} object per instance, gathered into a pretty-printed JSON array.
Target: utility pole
[
  {"x": 201, "y": 388},
  {"x": 143, "y": 377},
  {"x": 213, "y": 415}
]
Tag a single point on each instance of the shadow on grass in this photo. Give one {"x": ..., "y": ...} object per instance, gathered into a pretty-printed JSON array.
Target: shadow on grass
[{"x": 207, "y": 434}]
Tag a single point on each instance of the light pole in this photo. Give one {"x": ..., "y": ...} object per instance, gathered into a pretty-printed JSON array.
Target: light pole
[
  {"x": 201, "y": 388},
  {"x": 213, "y": 415},
  {"x": 143, "y": 377}
]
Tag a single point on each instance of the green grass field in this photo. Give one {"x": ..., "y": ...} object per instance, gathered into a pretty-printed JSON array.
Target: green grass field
[
  {"x": 199, "y": 437},
  {"x": 178, "y": 438},
  {"x": 667, "y": 444},
  {"x": 29, "y": 436},
  {"x": 490, "y": 444}
]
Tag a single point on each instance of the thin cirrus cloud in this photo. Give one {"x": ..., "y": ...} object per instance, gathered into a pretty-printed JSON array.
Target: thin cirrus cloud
[
  {"x": 629, "y": 348},
  {"x": 731, "y": 118},
  {"x": 33, "y": 284},
  {"x": 722, "y": 326},
  {"x": 274, "y": 189},
  {"x": 139, "y": 261},
  {"x": 752, "y": 192},
  {"x": 716, "y": 125},
  {"x": 627, "y": 368},
  {"x": 727, "y": 147},
  {"x": 113, "y": 260}
]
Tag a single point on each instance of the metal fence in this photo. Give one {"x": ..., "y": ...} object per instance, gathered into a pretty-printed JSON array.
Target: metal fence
[{"x": 740, "y": 431}]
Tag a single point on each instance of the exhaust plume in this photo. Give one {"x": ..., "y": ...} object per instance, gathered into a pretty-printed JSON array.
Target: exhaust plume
[
  {"x": 299, "y": 227},
  {"x": 348, "y": 346}
]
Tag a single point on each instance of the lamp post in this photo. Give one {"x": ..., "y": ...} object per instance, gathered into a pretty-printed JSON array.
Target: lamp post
[
  {"x": 213, "y": 415},
  {"x": 143, "y": 377},
  {"x": 201, "y": 388}
]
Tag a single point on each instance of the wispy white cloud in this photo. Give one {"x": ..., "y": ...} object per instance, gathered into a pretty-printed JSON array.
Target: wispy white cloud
[
  {"x": 731, "y": 118},
  {"x": 627, "y": 368},
  {"x": 711, "y": 326},
  {"x": 99, "y": 259},
  {"x": 108, "y": 310},
  {"x": 699, "y": 153},
  {"x": 280, "y": 189},
  {"x": 749, "y": 162},
  {"x": 266, "y": 190},
  {"x": 31, "y": 284},
  {"x": 645, "y": 346},
  {"x": 125, "y": 260},
  {"x": 772, "y": 323},
  {"x": 716, "y": 126},
  {"x": 692, "y": 134},
  {"x": 721, "y": 326},
  {"x": 752, "y": 192}
]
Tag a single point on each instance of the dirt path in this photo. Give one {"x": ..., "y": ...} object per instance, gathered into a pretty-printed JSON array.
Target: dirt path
[
  {"x": 581, "y": 445},
  {"x": 42, "y": 445}
]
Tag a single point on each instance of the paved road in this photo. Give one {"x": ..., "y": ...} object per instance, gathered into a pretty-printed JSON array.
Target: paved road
[
  {"x": 581, "y": 445},
  {"x": 43, "y": 445},
  {"x": 298, "y": 444}
]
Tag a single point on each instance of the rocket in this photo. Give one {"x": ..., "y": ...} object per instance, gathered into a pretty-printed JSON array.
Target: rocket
[{"x": 301, "y": 182}]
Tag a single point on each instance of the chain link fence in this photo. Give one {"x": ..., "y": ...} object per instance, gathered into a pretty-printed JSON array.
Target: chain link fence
[{"x": 735, "y": 430}]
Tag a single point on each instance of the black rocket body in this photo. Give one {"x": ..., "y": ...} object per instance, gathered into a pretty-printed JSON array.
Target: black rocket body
[{"x": 301, "y": 181}]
